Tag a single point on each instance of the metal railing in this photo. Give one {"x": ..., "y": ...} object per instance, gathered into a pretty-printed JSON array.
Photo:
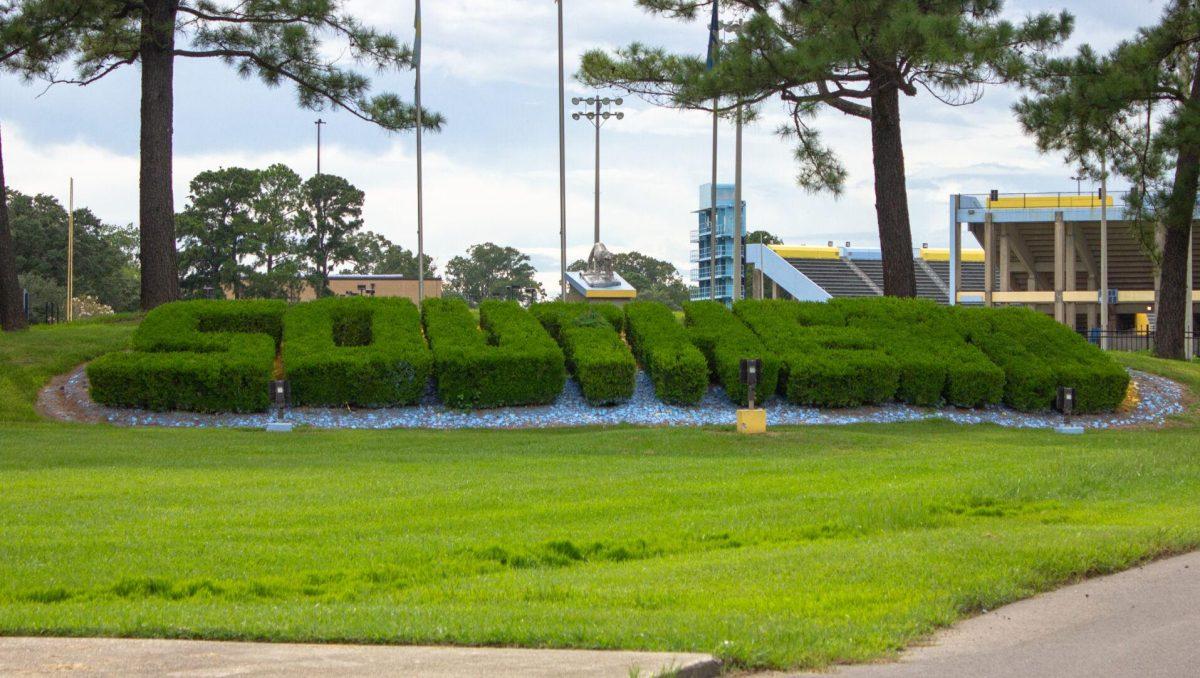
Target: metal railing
[
  {"x": 1085, "y": 199},
  {"x": 1134, "y": 340}
]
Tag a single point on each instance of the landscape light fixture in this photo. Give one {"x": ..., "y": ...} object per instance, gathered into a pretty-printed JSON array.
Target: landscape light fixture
[{"x": 597, "y": 115}]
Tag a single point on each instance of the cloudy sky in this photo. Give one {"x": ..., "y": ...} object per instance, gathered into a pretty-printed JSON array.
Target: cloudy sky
[{"x": 490, "y": 67}]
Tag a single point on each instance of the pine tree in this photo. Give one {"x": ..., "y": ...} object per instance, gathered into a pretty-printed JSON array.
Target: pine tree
[
  {"x": 276, "y": 40},
  {"x": 852, "y": 56},
  {"x": 1139, "y": 106}
]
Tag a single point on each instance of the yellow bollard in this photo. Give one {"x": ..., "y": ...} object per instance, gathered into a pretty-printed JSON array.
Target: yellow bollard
[{"x": 751, "y": 422}]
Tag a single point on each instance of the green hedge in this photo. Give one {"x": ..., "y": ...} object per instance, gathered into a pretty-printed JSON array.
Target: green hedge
[
  {"x": 202, "y": 356},
  {"x": 935, "y": 362},
  {"x": 594, "y": 350},
  {"x": 1038, "y": 355},
  {"x": 821, "y": 363},
  {"x": 677, "y": 368},
  {"x": 508, "y": 359},
  {"x": 355, "y": 351},
  {"x": 725, "y": 341}
]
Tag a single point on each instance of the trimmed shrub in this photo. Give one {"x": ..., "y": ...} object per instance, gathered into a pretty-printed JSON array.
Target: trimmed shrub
[
  {"x": 200, "y": 356},
  {"x": 677, "y": 368},
  {"x": 934, "y": 361},
  {"x": 594, "y": 351},
  {"x": 823, "y": 365},
  {"x": 725, "y": 341},
  {"x": 508, "y": 359},
  {"x": 1038, "y": 355},
  {"x": 355, "y": 351}
]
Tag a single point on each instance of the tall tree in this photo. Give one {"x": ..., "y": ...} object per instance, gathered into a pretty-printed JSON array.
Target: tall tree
[
  {"x": 654, "y": 279},
  {"x": 12, "y": 308},
  {"x": 1139, "y": 107},
  {"x": 851, "y": 56},
  {"x": 276, "y": 215},
  {"x": 762, "y": 238},
  {"x": 330, "y": 218},
  {"x": 490, "y": 271},
  {"x": 277, "y": 40},
  {"x": 217, "y": 231},
  {"x": 105, "y": 254},
  {"x": 379, "y": 256}
]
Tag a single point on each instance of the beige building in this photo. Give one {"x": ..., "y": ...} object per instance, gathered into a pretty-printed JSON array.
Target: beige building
[{"x": 376, "y": 285}]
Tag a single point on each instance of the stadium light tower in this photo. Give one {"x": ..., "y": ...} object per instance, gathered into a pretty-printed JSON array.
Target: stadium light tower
[{"x": 597, "y": 116}]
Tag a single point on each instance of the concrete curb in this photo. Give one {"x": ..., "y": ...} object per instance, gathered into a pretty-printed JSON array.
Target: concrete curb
[{"x": 145, "y": 657}]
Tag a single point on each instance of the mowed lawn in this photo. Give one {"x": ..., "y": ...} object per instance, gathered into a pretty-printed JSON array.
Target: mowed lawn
[{"x": 802, "y": 548}]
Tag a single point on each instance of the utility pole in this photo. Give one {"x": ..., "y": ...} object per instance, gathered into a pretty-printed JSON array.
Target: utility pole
[
  {"x": 420, "y": 186},
  {"x": 562, "y": 159},
  {"x": 71, "y": 250},
  {"x": 597, "y": 117},
  {"x": 1103, "y": 252},
  {"x": 738, "y": 227},
  {"x": 319, "y": 123}
]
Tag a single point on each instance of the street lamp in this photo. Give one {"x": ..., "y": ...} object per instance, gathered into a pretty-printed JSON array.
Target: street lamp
[
  {"x": 1078, "y": 179},
  {"x": 597, "y": 117}
]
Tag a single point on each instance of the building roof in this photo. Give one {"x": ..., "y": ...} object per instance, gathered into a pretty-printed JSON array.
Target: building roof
[{"x": 372, "y": 276}]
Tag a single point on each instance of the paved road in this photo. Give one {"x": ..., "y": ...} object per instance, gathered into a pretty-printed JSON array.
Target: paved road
[
  {"x": 99, "y": 656},
  {"x": 1144, "y": 623}
]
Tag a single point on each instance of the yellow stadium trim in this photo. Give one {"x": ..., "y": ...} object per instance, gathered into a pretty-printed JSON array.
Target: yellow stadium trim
[
  {"x": 1044, "y": 201},
  {"x": 611, "y": 294},
  {"x": 805, "y": 252},
  {"x": 943, "y": 254}
]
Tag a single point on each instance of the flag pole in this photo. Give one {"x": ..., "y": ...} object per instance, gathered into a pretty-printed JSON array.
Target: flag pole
[
  {"x": 562, "y": 158},
  {"x": 420, "y": 177},
  {"x": 714, "y": 41},
  {"x": 71, "y": 250}
]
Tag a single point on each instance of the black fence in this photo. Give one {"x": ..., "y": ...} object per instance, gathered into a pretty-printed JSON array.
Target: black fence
[
  {"x": 43, "y": 312},
  {"x": 1134, "y": 340}
]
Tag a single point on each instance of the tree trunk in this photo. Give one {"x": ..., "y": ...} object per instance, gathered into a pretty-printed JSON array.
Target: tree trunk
[
  {"x": 12, "y": 308},
  {"x": 160, "y": 267},
  {"x": 1174, "y": 286},
  {"x": 891, "y": 193}
]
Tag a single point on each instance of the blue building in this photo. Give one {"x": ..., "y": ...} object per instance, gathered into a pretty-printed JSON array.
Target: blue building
[{"x": 701, "y": 255}]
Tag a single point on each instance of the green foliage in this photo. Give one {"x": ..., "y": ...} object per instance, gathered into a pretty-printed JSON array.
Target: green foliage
[
  {"x": 508, "y": 359},
  {"x": 1135, "y": 110},
  {"x": 677, "y": 368},
  {"x": 595, "y": 353},
  {"x": 203, "y": 356},
  {"x": 762, "y": 238},
  {"x": 1039, "y": 355},
  {"x": 831, "y": 53},
  {"x": 105, "y": 255},
  {"x": 490, "y": 271},
  {"x": 726, "y": 341},
  {"x": 379, "y": 256},
  {"x": 355, "y": 351},
  {"x": 217, "y": 231},
  {"x": 654, "y": 279},
  {"x": 276, "y": 40},
  {"x": 330, "y": 218},
  {"x": 822, "y": 362},
  {"x": 936, "y": 364}
]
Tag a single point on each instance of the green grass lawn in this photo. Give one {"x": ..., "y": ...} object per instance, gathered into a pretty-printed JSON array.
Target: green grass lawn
[{"x": 798, "y": 549}]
